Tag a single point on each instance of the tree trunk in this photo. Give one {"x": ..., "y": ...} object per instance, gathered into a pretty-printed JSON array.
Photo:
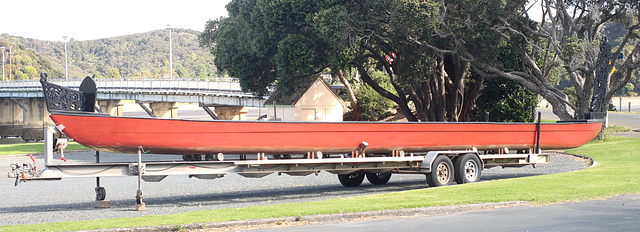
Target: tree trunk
[
  {"x": 352, "y": 97},
  {"x": 470, "y": 99},
  {"x": 457, "y": 71},
  {"x": 400, "y": 100}
]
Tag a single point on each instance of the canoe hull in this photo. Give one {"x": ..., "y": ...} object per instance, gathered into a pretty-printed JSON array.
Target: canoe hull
[{"x": 177, "y": 136}]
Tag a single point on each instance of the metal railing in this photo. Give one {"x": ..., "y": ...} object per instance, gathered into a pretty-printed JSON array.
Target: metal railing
[{"x": 124, "y": 84}]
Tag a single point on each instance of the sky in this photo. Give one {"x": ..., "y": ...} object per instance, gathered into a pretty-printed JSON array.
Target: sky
[{"x": 89, "y": 19}]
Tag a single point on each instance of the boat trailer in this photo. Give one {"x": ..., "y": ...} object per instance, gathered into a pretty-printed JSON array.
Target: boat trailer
[{"x": 440, "y": 167}]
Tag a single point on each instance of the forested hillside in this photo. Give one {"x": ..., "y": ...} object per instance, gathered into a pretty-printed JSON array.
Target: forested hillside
[{"x": 138, "y": 55}]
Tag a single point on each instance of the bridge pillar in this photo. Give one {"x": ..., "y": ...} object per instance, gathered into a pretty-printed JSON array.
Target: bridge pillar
[
  {"x": 36, "y": 118},
  {"x": 11, "y": 118},
  {"x": 164, "y": 109},
  {"x": 231, "y": 112},
  {"x": 23, "y": 117},
  {"x": 111, "y": 107}
]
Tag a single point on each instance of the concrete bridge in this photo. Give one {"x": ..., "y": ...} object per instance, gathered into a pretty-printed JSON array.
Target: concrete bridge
[{"x": 23, "y": 112}]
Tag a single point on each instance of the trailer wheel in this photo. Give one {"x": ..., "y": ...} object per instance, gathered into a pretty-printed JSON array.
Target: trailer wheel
[
  {"x": 101, "y": 193},
  {"x": 441, "y": 172},
  {"x": 351, "y": 180},
  {"x": 378, "y": 178},
  {"x": 468, "y": 169},
  {"x": 219, "y": 156},
  {"x": 196, "y": 157},
  {"x": 186, "y": 157}
]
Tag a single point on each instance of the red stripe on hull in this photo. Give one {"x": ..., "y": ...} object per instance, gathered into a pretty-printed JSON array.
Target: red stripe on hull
[{"x": 175, "y": 136}]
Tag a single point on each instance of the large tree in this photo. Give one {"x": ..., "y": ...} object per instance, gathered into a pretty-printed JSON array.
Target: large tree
[
  {"x": 567, "y": 36},
  {"x": 426, "y": 48},
  {"x": 264, "y": 41}
]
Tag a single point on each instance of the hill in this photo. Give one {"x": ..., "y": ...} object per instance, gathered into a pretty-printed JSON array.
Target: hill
[{"x": 137, "y": 55}]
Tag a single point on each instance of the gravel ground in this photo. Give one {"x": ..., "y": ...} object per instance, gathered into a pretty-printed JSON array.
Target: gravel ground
[{"x": 71, "y": 199}]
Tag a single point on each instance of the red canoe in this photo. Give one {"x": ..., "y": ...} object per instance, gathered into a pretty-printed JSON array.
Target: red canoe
[{"x": 179, "y": 136}]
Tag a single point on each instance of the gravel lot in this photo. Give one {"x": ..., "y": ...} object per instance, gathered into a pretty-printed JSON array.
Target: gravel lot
[{"x": 72, "y": 199}]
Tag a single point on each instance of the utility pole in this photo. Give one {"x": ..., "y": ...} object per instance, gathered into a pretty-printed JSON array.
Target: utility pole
[
  {"x": 66, "y": 67},
  {"x": 170, "y": 54},
  {"x": 2, "y": 63},
  {"x": 10, "y": 55}
]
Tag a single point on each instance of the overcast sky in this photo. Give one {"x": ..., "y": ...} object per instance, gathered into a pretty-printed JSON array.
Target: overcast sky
[{"x": 88, "y": 19}]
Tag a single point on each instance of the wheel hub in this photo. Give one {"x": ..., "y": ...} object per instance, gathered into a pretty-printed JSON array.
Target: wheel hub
[
  {"x": 470, "y": 169},
  {"x": 443, "y": 173}
]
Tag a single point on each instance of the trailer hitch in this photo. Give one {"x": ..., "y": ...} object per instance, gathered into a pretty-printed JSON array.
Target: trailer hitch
[{"x": 22, "y": 172}]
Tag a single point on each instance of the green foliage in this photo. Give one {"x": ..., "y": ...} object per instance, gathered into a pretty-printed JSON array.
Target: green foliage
[
  {"x": 628, "y": 90},
  {"x": 114, "y": 73},
  {"x": 138, "y": 55},
  {"x": 373, "y": 106},
  {"x": 182, "y": 71},
  {"x": 505, "y": 101},
  {"x": 202, "y": 71},
  {"x": 19, "y": 75},
  {"x": 262, "y": 41},
  {"x": 31, "y": 72},
  {"x": 17, "y": 65},
  {"x": 97, "y": 76},
  {"x": 571, "y": 94},
  {"x": 573, "y": 46}
]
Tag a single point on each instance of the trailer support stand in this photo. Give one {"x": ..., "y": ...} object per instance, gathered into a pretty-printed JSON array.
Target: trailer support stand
[
  {"x": 139, "y": 204},
  {"x": 101, "y": 193}
]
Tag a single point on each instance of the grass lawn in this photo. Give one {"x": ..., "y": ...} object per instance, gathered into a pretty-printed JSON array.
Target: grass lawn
[
  {"x": 616, "y": 173},
  {"x": 10, "y": 146}
]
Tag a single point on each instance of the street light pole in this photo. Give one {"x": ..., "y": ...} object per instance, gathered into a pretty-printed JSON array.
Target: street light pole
[
  {"x": 2, "y": 63},
  {"x": 10, "y": 66},
  {"x": 66, "y": 67},
  {"x": 170, "y": 54}
]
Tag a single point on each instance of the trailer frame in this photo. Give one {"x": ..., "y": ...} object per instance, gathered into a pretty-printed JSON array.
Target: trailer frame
[{"x": 440, "y": 167}]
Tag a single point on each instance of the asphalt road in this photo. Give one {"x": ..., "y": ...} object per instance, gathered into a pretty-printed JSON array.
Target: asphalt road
[
  {"x": 621, "y": 213},
  {"x": 72, "y": 199}
]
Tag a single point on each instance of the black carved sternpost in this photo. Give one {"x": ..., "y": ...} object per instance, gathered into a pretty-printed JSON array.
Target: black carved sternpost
[
  {"x": 598, "y": 102},
  {"x": 59, "y": 97},
  {"x": 62, "y": 98}
]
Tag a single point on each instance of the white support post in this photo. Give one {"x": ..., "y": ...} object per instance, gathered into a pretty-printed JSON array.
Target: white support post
[
  {"x": 48, "y": 145},
  {"x": 140, "y": 206}
]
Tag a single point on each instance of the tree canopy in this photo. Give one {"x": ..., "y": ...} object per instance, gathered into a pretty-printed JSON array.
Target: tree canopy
[
  {"x": 427, "y": 49},
  {"x": 565, "y": 42}
]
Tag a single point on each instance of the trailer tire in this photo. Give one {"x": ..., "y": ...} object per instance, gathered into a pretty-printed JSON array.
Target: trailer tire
[
  {"x": 441, "y": 172},
  {"x": 468, "y": 169},
  {"x": 196, "y": 157},
  {"x": 186, "y": 157},
  {"x": 101, "y": 193},
  {"x": 351, "y": 180},
  {"x": 378, "y": 178}
]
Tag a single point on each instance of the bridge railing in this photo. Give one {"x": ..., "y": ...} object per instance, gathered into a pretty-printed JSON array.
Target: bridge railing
[{"x": 178, "y": 84}]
